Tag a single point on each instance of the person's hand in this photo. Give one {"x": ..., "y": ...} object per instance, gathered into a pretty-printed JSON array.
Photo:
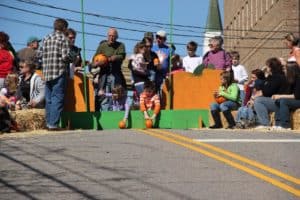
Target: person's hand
[
  {"x": 216, "y": 93},
  {"x": 101, "y": 92},
  {"x": 99, "y": 63},
  {"x": 153, "y": 117},
  {"x": 250, "y": 103},
  {"x": 146, "y": 116},
  {"x": 112, "y": 58},
  {"x": 32, "y": 104}
]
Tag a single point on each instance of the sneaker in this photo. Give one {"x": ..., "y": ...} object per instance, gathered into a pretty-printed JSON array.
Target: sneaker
[
  {"x": 279, "y": 128},
  {"x": 261, "y": 127},
  {"x": 239, "y": 125}
]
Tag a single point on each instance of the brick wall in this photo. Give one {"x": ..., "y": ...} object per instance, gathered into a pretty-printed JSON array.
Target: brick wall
[{"x": 255, "y": 28}]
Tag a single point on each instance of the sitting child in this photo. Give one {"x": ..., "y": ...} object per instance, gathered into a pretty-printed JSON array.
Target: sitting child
[
  {"x": 149, "y": 100},
  {"x": 10, "y": 89},
  {"x": 246, "y": 115},
  {"x": 31, "y": 90},
  {"x": 229, "y": 92},
  {"x": 119, "y": 100}
]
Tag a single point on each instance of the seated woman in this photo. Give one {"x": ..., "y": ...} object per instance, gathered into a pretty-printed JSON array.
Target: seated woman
[
  {"x": 229, "y": 93},
  {"x": 275, "y": 83},
  {"x": 288, "y": 102},
  {"x": 31, "y": 90}
]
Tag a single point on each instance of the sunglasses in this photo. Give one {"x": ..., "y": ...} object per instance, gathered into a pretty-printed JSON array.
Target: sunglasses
[{"x": 160, "y": 38}]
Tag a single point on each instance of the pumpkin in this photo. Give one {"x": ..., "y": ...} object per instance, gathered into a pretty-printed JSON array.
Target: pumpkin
[
  {"x": 122, "y": 125},
  {"x": 101, "y": 58},
  {"x": 148, "y": 123},
  {"x": 220, "y": 99},
  {"x": 156, "y": 61}
]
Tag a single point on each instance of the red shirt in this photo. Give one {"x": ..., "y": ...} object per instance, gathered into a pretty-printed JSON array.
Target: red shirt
[{"x": 6, "y": 63}]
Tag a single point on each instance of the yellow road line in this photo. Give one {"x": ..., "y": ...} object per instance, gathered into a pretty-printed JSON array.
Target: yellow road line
[
  {"x": 235, "y": 156},
  {"x": 236, "y": 165}
]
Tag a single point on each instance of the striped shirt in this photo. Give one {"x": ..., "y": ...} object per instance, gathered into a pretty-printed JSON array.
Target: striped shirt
[
  {"x": 55, "y": 51},
  {"x": 149, "y": 103}
]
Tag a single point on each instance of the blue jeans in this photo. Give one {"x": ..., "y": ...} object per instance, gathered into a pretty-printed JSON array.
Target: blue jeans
[
  {"x": 139, "y": 87},
  {"x": 54, "y": 95},
  {"x": 263, "y": 106},
  {"x": 285, "y": 105},
  {"x": 110, "y": 83},
  {"x": 227, "y": 105},
  {"x": 245, "y": 113},
  {"x": 242, "y": 96}
]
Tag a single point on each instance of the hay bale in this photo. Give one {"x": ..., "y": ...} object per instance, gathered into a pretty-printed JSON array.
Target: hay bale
[
  {"x": 29, "y": 120},
  {"x": 295, "y": 120},
  {"x": 223, "y": 119}
]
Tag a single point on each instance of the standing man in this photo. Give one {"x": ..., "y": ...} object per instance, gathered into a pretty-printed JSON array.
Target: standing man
[
  {"x": 163, "y": 52},
  {"x": 55, "y": 58},
  {"x": 29, "y": 53},
  {"x": 110, "y": 73}
]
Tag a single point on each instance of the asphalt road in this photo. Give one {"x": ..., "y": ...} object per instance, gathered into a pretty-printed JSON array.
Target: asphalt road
[{"x": 150, "y": 164}]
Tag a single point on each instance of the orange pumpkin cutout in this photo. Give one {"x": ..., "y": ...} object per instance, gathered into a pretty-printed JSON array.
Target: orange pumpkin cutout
[
  {"x": 220, "y": 99},
  {"x": 122, "y": 125},
  {"x": 101, "y": 58},
  {"x": 148, "y": 123}
]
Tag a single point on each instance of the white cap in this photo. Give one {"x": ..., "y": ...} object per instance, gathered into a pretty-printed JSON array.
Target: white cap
[{"x": 161, "y": 33}]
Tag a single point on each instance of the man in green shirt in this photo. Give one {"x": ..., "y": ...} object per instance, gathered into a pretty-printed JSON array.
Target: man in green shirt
[{"x": 110, "y": 72}]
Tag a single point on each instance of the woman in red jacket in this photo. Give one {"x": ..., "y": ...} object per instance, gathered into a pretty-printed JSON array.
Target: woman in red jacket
[{"x": 6, "y": 58}]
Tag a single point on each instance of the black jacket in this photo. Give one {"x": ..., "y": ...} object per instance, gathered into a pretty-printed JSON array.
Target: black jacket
[{"x": 275, "y": 84}]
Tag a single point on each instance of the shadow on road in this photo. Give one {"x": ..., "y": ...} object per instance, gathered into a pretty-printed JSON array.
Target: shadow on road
[{"x": 122, "y": 174}]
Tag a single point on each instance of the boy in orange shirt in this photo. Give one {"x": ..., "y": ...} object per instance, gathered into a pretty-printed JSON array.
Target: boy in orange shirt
[{"x": 149, "y": 100}]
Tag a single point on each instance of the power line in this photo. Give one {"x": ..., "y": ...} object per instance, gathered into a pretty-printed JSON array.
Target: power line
[
  {"x": 130, "y": 21},
  {"x": 24, "y": 45},
  {"x": 89, "y": 23},
  {"x": 88, "y": 33},
  {"x": 93, "y": 24},
  {"x": 141, "y": 22},
  {"x": 130, "y": 39}
]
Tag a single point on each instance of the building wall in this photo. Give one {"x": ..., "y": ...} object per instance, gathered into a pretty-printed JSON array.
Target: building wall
[{"x": 255, "y": 28}]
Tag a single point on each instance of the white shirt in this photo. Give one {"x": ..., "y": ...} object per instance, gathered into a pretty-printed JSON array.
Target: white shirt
[
  {"x": 190, "y": 63},
  {"x": 240, "y": 74}
]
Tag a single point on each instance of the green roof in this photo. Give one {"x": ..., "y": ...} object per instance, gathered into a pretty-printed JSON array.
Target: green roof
[{"x": 214, "y": 22}]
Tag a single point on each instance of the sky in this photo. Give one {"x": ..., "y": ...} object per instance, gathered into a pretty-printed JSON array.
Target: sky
[{"x": 20, "y": 25}]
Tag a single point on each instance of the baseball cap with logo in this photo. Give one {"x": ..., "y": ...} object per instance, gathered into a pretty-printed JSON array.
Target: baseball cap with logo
[{"x": 161, "y": 33}]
